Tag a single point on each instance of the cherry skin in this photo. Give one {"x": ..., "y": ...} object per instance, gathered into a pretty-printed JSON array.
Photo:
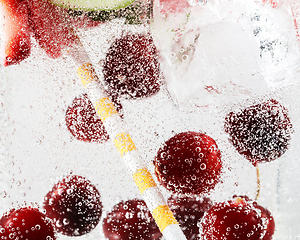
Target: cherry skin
[
  {"x": 189, "y": 163},
  {"x": 260, "y": 132},
  {"x": 130, "y": 220},
  {"x": 131, "y": 69},
  {"x": 188, "y": 211},
  {"x": 74, "y": 205},
  {"x": 26, "y": 223},
  {"x": 82, "y": 121},
  {"x": 266, "y": 214},
  {"x": 239, "y": 218}
]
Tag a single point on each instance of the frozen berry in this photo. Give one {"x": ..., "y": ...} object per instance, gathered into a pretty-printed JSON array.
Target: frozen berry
[
  {"x": 74, "y": 205},
  {"x": 189, "y": 162},
  {"x": 26, "y": 223},
  {"x": 239, "y": 218},
  {"x": 131, "y": 69},
  {"x": 83, "y": 121},
  {"x": 130, "y": 220},
  {"x": 260, "y": 132},
  {"x": 188, "y": 211}
]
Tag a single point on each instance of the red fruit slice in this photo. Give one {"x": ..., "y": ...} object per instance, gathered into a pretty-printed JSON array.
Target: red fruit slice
[
  {"x": 50, "y": 27},
  {"x": 74, "y": 205},
  {"x": 189, "y": 163},
  {"x": 130, "y": 220},
  {"x": 172, "y": 6},
  {"x": 188, "y": 211},
  {"x": 260, "y": 132},
  {"x": 83, "y": 121},
  {"x": 131, "y": 69},
  {"x": 16, "y": 40},
  {"x": 273, "y": 3},
  {"x": 239, "y": 218},
  {"x": 26, "y": 223}
]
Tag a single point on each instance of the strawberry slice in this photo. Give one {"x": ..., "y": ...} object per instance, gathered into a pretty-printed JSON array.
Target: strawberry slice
[
  {"x": 16, "y": 29},
  {"x": 50, "y": 27},
  {"x": 172, "y": 6}
]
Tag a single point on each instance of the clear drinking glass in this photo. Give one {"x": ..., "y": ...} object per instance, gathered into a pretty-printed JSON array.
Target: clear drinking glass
[{"x": 214, "y": 56}]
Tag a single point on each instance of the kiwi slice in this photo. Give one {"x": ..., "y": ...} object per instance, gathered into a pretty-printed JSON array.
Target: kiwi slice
[{"x": 92, "y": 5}]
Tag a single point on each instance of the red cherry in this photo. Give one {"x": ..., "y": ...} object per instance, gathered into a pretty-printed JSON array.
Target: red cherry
[
  {"x": 260, "y": 132},
  {"x": 239, "y": 218},
  {"x": 83, "y": 122},
  {"x": 266, "y": 214},
  {"x": 189, "y": 163},
  {"x": 74, "y": 205},
  {"x": 130, "y": 220},
  {"x": 131, "y": 69},
  {"x": 26, "y": 223},
  {"x": 188, "y": 211}
]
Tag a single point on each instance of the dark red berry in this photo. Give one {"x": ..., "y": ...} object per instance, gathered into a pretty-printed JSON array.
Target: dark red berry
[
  {"x": 26, "y": 223},
  {"x": 189, "y": 163},
  {"x": 130, "y": 220},
  {"x": 74, "y": 205},
  {"x": 239, "y": 218},
  {"x": 260, "y": 132},
  {"x": 131, "y": 69},
  {"x": 83, "y": 121},
  {"x": 188, "y": 211}
]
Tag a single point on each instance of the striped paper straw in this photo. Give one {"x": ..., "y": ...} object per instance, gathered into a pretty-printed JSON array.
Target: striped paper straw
[{"x": 125, "y": 146}]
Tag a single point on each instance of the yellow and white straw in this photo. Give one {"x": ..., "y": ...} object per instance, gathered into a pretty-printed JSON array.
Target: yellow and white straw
[{"x": 126, "y": 147}]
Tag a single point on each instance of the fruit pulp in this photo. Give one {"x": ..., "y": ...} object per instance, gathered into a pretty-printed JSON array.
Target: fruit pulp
[{"x": 38, "y": 150}]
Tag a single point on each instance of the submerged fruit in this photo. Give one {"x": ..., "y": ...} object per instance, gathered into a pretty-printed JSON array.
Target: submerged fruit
[
  {"x": 26, "y": 223},
  {"x": 83, "y": 122},
  {"x": 16, "y": 40},
  {"x": 261, "y": 132},
  {"x": 131, "y": 69},
  {"x": 130, "y": 220},
  {"x": 188, "y": 211},
  {"x": 74, "y": 205},
  {"x": 189, "y": 162},
  {"x": 239, "y": 218},
  {"x": 93, "y": 5},
  {"x": 49, "y": 26}
]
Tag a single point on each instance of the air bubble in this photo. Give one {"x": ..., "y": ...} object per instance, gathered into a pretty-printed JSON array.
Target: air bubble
[
  {"x": 184, "y": 57},
  {"x": 202, "y": 166},
  {"x": 66, "y": 221}
]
